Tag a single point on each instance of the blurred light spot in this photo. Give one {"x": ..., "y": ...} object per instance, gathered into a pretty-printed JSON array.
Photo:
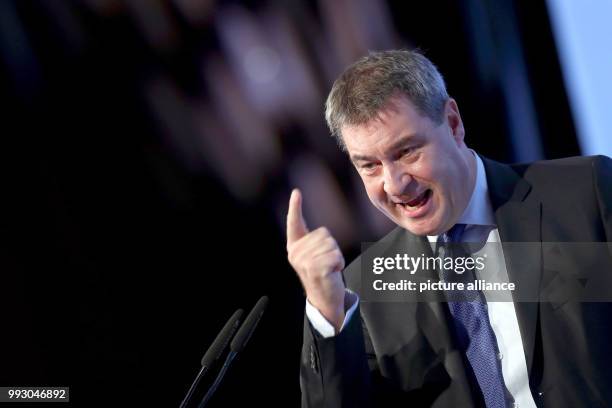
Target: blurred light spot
[
  {"x": 224, "y": 157},
  {"x": 324, "y": 203},
  {"x": 254, "y": 135},
  {"x": 262, "y": 64},
  {"x": 582, "y": 30}
]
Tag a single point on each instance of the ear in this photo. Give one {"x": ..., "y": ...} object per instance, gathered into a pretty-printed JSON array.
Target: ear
[{"x": 453, "y": 118}]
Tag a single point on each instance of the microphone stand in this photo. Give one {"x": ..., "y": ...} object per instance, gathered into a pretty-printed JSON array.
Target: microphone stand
[
  {"x": 193, "y": 386},
  {"x": 228, "y": 361}
]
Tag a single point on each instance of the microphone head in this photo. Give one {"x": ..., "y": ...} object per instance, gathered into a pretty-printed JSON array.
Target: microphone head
[
  {"x": 250, "y": 323},
  {"x": 218, "y": 346}
]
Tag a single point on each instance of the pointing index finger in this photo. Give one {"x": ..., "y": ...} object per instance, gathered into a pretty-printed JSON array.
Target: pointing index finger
[{"x": 296, "y": 226}]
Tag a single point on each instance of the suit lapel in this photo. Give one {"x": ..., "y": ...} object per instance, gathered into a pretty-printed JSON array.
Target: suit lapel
[
  {"x": 435, "y": 322},
  {"x": 431, "y": 312},
  {"x": 518, "y": 217}
]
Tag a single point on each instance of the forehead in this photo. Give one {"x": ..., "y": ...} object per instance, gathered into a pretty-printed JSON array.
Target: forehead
[{"x": 399, "y": 119}]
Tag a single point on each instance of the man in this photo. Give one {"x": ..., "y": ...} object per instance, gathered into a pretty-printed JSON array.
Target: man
[{"x": 391, "y": 113}]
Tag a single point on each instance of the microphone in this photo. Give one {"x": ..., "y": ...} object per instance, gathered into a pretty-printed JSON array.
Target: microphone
[
  {"x": 238, "y": 344},
  {"x": 214, "y": 351},
  {"x": 248, "y": 328}
]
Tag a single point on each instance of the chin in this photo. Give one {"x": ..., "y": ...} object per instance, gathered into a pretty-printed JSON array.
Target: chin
[
  {"x": 420, "y": 231},
  {"x": 421, "y": 228},
  {"x": 427, "y": 227}
]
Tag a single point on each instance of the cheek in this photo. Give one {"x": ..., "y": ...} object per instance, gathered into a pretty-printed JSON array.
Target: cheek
[
  {"x": 374, "y": 190},
  {"x": 373, "y": 193},
  {"x": 437, "y": 173},
  {"x": 427, "y": 167},
  {"x": 434, "y": 174}
]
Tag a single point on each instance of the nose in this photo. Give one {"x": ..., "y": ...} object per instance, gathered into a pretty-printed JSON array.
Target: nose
[{"x": 395, "y": 179}]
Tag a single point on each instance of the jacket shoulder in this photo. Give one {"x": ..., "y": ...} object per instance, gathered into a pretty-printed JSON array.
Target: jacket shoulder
[
  {"x": 569, "y": 174},
  {"x": 566, "y": 163}
]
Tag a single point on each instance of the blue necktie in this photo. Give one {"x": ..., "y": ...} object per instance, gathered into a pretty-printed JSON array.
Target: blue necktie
[{"x": 474, "y": 332}]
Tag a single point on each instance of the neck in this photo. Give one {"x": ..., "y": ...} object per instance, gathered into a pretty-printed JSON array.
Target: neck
[
  {"x": 470, "y": 162},
  {"x": 470, "y": 158}
]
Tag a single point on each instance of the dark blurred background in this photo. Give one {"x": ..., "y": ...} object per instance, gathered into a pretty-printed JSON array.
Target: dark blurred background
[{"x": 148, "y": 151}]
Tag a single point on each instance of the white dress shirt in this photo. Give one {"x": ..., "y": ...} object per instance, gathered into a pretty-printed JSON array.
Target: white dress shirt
[{"x": 479, "y": 218}]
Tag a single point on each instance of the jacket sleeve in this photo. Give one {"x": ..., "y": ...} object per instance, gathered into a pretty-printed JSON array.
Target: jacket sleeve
[{"x": 334, "y": 371}]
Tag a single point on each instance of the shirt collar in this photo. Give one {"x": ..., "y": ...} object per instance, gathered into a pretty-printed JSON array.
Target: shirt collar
[{"x": 479, "y": 210}]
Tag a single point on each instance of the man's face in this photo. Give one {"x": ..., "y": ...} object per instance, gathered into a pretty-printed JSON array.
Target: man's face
[{"x": 418, "y": 173}]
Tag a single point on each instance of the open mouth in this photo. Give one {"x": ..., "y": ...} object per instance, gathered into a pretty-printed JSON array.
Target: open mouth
[{"x": 419, "y": 201}]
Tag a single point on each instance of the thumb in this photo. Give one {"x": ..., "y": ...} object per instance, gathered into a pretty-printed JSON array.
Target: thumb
[{"x": 296, "y": 226}]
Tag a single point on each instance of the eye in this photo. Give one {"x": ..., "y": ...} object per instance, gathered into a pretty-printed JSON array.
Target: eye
[
  {"x": 408, "y": 153},
  {"x": 369, "y": 167},
  {"x": 405, "y": 151}
]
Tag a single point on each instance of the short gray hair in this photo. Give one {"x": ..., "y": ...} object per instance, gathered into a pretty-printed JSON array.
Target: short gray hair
[{"x": 366, "y": 86}]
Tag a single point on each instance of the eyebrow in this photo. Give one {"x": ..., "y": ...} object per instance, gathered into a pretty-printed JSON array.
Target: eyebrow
[{"x": 401, "y": 142}]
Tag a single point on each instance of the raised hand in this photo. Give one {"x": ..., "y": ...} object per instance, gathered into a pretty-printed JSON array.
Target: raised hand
[{"x": 318, "y": 261}]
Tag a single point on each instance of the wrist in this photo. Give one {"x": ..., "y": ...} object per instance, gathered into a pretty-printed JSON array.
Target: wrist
[{"x": 333, "y": 312}]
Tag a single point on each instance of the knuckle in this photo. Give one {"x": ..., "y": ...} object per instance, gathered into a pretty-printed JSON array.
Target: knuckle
[
  {"x": 316, "y": 269},
  {"x": 323, "y": 231},
  {"x": 337, "y": 253},
  {"x": 308, "y": 273},
  {"x": 331, "y": 242}
]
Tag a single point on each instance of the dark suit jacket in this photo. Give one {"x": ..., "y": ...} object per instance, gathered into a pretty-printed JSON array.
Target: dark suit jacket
[{"x": 403, "y": 354}]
